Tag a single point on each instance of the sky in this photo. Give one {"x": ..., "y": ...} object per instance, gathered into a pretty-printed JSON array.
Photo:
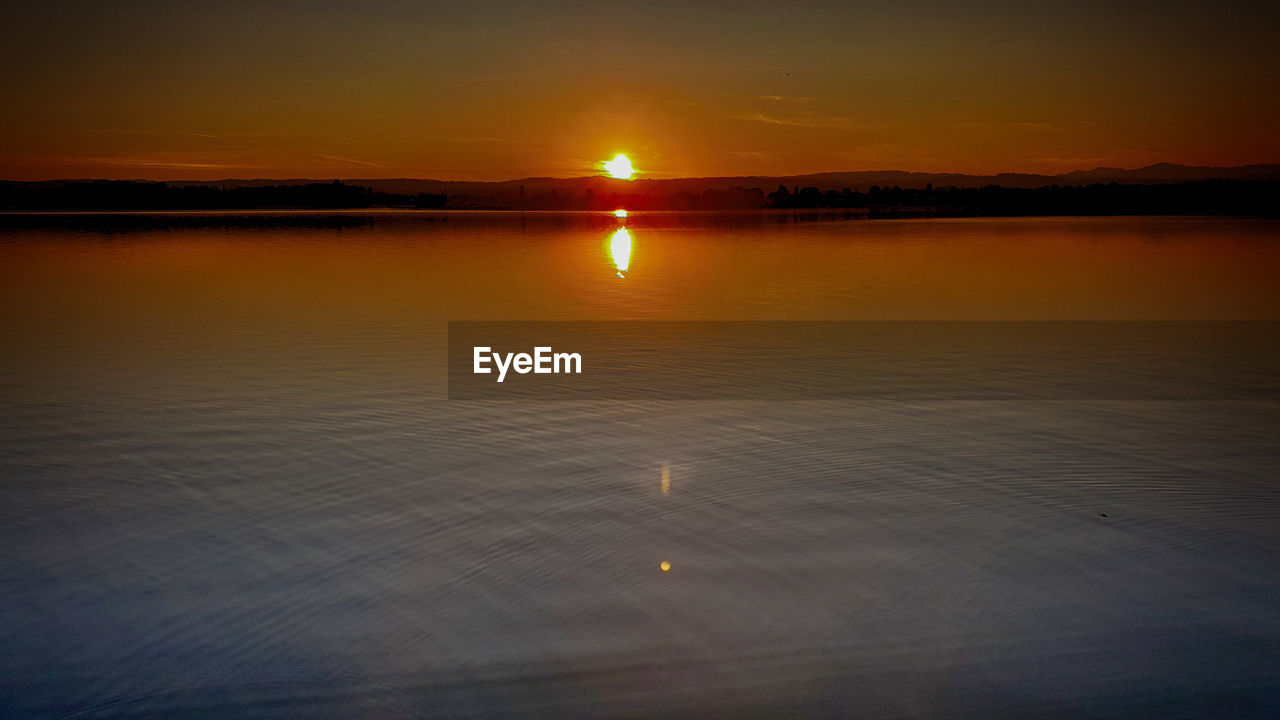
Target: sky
[{"x": 504, "y": 90}]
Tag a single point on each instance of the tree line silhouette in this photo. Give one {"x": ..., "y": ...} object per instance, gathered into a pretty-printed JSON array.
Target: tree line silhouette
[
  {"x": 132, "y": 195},
  {"x": 1244, "y": 197},
  {"x": 1248, "y": 197}
]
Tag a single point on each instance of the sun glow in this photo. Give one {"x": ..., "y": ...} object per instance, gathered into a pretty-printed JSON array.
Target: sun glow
[{"x": 619, "y": 167}]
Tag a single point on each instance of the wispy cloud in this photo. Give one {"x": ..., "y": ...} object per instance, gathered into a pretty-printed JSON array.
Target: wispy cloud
[
  {"x": 148, "y": 132},
  {"x": 350, "y": 161},
  {"x": 807, "y": 120},
  {"x": 759, "y": 157},
  {"x": 782, "y": 110},
  {"x": 148, "y": 162},
  {"x": 477, "y": 140},
  {"x": 1029, "y": 124},
  {"x": 456, "y": 126},
  {"x": 786, "y": 98},
  {"x": 480, "y": 79}
]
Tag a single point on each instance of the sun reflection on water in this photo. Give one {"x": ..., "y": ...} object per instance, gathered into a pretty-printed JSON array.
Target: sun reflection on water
[{"x": 620, "y": 250}]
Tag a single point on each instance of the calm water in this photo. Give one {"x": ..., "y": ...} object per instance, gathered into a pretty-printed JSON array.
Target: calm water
[{"x": 231, "y": 484}]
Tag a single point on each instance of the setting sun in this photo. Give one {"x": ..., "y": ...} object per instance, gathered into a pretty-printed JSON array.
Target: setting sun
[{"x": 619, "y": 167}]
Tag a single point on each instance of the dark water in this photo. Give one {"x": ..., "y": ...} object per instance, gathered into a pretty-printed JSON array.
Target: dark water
[{"x": 231, "y": 484}]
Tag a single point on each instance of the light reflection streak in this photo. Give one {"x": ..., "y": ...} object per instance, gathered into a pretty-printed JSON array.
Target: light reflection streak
[{"x": 620, "y": 250}]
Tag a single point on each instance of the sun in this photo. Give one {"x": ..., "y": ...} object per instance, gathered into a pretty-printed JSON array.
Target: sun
[{"x": 619, "y": 167}]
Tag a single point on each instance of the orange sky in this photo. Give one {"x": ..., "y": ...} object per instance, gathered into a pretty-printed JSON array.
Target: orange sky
[{"x": 501, "y": 90}]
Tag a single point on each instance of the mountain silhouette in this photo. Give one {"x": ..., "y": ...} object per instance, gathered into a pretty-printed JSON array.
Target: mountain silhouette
[
  {"x": 853, "y": 179},
  {"x": 1159, "y": 188}
]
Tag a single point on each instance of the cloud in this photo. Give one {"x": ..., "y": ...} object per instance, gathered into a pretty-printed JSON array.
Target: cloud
[
  {"x": 480, "y": 79},
  {"x": 477, "y": 140},
  {"x": 757, "y": 156},
  {"x": 786, "y": 98},
  {"x": 352, "y": 161},
  {"x": 147, "y": 162},
  {"x": 808, "y": 120}
]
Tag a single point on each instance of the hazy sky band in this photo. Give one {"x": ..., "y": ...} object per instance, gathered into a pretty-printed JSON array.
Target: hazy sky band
[{"x": 498, "y": 90}]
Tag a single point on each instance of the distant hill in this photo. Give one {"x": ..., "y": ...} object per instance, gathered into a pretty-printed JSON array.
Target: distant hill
[
  {"x": 507, "y": 193},
  {"x": 1161, "y": 188}
]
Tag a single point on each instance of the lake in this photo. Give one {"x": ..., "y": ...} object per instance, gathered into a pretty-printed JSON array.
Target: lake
[{"x": 232, "y": 482}]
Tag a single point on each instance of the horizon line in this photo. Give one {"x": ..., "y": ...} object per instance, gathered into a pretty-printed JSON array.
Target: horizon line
[{"x": 334, "y": 178}]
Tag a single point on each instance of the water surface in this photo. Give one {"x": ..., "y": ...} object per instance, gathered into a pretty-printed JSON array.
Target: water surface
[{"x": 231, "y": 484}]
